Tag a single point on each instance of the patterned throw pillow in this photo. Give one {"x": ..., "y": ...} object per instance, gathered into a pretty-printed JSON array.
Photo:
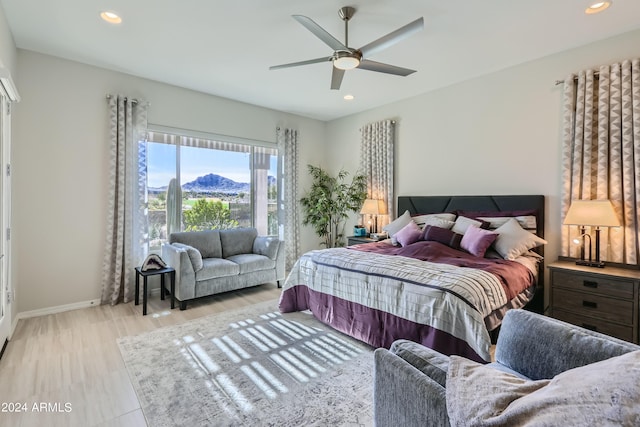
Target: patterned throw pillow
[{"x": 442, "y": 235}]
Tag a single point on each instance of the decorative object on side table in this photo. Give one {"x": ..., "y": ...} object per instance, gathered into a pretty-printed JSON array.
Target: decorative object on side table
[
  {"x": 591, "y": 213},
  {"x": 359, "y": 231}
]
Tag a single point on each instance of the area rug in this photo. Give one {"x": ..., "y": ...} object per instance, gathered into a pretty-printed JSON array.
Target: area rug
[{"x": 251, "y": 367}]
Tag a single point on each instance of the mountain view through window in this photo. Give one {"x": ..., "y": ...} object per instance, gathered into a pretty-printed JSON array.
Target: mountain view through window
[{"x": 199, "y": 184}]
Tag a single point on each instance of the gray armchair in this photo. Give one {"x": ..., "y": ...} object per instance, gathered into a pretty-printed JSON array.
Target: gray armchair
[{"x": 410, "y": 379}]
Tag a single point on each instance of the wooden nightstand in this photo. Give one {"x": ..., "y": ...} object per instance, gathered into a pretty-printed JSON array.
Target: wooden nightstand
[
  {"x": 601, "y": 299},
  {"x": 356, "y": 240}
]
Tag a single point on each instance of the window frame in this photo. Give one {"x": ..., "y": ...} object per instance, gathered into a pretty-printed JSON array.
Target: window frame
[{"x": 213, "y": 139}]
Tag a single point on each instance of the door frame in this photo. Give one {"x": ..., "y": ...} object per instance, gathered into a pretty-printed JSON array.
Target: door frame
[{"x": 6, "y": 291}]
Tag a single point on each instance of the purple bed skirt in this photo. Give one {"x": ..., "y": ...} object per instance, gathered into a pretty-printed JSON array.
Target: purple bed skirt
[{"x": 374, "y": 327}]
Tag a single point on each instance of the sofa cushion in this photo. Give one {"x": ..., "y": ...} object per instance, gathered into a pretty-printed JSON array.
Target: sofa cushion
[
  {"x": 249, "y": 263},
  {"x": 217, "y": 267},
  {"x": 207, "y": 242},
  {"x": 601, "y": 393},
  {"x": 237, "y": 241},
  {"x": 194, "y": 255},
  {"x": 267, "y": 246}
]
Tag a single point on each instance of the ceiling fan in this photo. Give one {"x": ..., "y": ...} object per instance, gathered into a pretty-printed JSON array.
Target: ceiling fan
[{"x": 347, "y": 58}]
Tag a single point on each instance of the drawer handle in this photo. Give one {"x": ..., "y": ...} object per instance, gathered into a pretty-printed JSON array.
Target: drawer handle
[
  {"x": 590, "y": 284},
  {"x": 590, "y": 327},
  {"x": 589, "y": 304}
]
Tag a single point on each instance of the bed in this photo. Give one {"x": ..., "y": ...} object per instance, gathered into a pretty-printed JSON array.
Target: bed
[{"x": 429, "y": 290}]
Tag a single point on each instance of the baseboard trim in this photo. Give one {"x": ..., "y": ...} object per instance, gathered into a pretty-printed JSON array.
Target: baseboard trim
[{"x": 57, "y": 309}]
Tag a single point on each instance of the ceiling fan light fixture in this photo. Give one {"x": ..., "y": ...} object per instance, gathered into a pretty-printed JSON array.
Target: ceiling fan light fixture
[
  {"x": 346, "y": 63},
  {"x": 596, "y": 6},
  {"x": 346, "y": 60}
]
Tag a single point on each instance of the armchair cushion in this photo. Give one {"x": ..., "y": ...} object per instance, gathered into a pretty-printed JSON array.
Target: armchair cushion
[
  {"x": 601, "y": 393},
  {"x": 194, "y": 255}
]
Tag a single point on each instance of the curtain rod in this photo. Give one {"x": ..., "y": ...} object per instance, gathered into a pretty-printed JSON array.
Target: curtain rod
[
  {"x": 596, "y": 74},
  {"x": 393, "y": 122},
  {"x": 135, "y": 101}
]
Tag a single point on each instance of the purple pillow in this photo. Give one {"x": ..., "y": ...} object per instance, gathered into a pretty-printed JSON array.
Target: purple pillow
[
  {"x": 476, "y": 241},
  {"x": 442, "y": 235},
  {"x": 409, "y": 234}
]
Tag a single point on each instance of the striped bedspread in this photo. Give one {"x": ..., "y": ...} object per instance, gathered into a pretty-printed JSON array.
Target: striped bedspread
[{"x": 379, "y": 298}]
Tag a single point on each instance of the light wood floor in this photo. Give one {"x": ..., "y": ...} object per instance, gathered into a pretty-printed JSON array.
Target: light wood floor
[{"x": 71, "y": 361}]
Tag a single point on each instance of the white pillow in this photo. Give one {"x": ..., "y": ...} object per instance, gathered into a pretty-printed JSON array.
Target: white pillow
[
  {"x": 514, "y": 241},
  {"x": 445, "y": 220},
  {"x": 462, "y": 223},
  {"x": 528, "y": 222},
  {"x": 396, "y": 225}
]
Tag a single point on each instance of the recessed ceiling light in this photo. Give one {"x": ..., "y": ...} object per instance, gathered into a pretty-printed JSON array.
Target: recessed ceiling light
[
  {"x": 110, "y": 17},
  {"x": 597, "y": 6},
  {"x": 348, "y": 97}
]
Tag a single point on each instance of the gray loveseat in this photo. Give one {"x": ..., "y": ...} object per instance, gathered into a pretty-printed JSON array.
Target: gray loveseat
[
  {"x": 410, "y": 379},
  {"x": 214, "y": 261}
]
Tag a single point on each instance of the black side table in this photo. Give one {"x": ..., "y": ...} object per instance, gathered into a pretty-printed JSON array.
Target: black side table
[{"x": 145, "y": 274}]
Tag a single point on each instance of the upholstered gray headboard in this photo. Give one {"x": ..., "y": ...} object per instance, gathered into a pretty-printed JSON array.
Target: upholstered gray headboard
[{"x": 436, "y": 204}]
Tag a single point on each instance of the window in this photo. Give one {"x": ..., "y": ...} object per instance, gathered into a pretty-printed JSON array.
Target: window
[{"x": 195, "y": 183}]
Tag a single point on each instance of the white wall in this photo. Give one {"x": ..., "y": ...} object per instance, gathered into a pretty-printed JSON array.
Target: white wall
[
  {"x": 497, "y": 134},
  {"x": 60, "y": 164}
]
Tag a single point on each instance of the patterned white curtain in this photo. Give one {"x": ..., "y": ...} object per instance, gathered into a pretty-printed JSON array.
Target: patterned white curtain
[
  {"x": 376, "y": 162},
  {"x": 601, "y": 152},
  {"x": 287, "y": 140},
  {"x": 126, "y": 242}
]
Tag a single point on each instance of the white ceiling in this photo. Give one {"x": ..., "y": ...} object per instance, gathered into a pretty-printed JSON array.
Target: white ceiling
[{"x": 225, "y": 48}]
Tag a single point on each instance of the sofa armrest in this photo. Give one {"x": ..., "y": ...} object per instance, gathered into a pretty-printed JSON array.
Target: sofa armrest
[
  {"x": 178, "y": 258},
  {"x": 405, "y": 396},
  {"x": 272, "y": 248},
  {"x": 541, "y": 347}
]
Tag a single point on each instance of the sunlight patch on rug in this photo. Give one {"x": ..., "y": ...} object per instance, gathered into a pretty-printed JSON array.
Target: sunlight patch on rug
[{"x": 252, "y": 366}]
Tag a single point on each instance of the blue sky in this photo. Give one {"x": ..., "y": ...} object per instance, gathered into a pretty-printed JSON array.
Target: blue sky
[{"x": 197, "y": 162}]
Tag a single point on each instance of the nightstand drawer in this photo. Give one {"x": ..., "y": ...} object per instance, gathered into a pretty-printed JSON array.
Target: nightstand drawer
[
  {"x": 594, "y": 284},
  {"x": 604, "y": 327},
  {"x": 594, "y": 305}
]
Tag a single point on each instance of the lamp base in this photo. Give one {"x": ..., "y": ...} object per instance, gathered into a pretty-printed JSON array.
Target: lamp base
[{"x": 598, "y": 264}]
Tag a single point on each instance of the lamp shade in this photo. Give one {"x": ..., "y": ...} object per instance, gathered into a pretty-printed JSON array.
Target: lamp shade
[
  {"x": 373, "y": 207},
  {"x": 598, "y": 213}
]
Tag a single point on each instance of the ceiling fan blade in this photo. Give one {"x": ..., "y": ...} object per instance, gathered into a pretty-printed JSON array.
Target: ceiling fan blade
[
  {"x": 336, "y": 78},
  {"x": 297, "y": 64},
  {"x": 392, "y": 38},
  {"x": 320, "y": 32},
  {"x": 384, "y": 68}
]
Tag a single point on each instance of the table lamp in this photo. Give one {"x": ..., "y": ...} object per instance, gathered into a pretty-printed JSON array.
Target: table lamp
[
  {"x": 373, "y": 207},
  {"x": 592, "y": 213}
]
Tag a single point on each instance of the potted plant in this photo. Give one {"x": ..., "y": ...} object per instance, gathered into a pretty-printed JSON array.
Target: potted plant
[{"x": 329, "y": 201}]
